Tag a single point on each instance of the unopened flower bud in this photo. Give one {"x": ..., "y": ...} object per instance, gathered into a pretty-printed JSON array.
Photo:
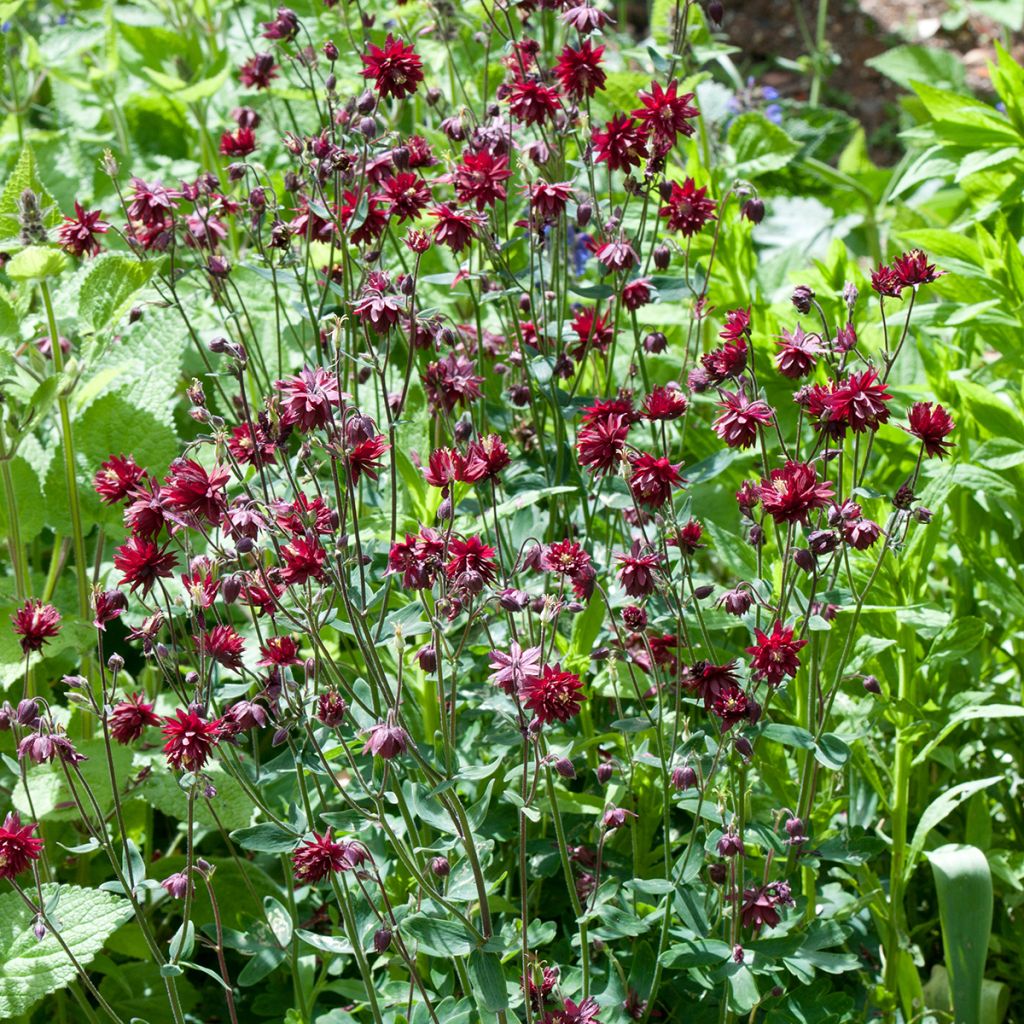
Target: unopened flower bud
[
  {"x": 662, "y": 256},
  {"x": 872, "y": 685},
  {"x": 604, "y": 772},
  {"x": 564, "y": 768},
  {"x": 427, "y": 657},
  {"x": 753, "y": 210},
  {"x": 743, "y": 747},
  {"x": 583, "y": 214},
  {"x": 440, "y": 867},
  {"x": 716, "y": 12},
  {"x": 655, "y": 342},
  {"x": 684, "y": 778},
  {"x": 381, "y": 940},
  {"x": 802, "y": 298},
  {"x": 330, "y": 51},
  {"x": 717, "y": 873},
  {"x": 804, "y": 559},
  {"x": 115, "y": 663},
  {"x": 702, "y": 592}
]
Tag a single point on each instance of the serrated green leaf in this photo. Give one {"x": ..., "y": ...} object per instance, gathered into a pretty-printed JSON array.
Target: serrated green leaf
[
  {"x": 110, "y": 285},
  {"x": 30, "y": 969},
  {"x": 36, "y": 263},
  {"x": 759, "y": 145}
]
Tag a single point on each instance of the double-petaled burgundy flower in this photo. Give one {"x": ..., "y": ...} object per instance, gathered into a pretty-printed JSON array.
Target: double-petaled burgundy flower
[
  {"x": 77, "y": 235},
  {"x": 284, "y": 27},
  {"x": 117, "y": 478},
  {"x": 471, "y": 555},
  {"x": 653, "y": 479},
  {"x": 548, "y": 200},
  {"x": 665, "y": 114},
  {"x": 790, "y": 494},
  {"x": 532, "y": 102},
  {"x": 36, "y": 623},
  {"x": 323, "y": 855},
  {"x": 859, "y": 402},
  {"x": 307, "y": 399},
  {"x": 760, "y": 903},
  {"x": 600, "y": 444},
  {"x": 239, "y": 143},
  {"x": 637, "y": 293},
  {"x": 593, "y": 329},
  {"x": 554, "y": 695},
  {"x": 454, "y": 228},
  {"x": 931, "y": 425},
  {"x": 142, "y": 563},
  {"x": 18, "y": 847},
  {"x": 565, "y": 557},
  {"x": 386, "y": 739},
  {"x": 452, "y": 381},
  {"x": 303, "y": 560},
  {"x": 913, "y": 269},
  {"x": 151, "y": 204},
  {"x": 129, "y": 718},
  {"x": 190, "y": 739},
  {"x": 107, "y": 605},
  {"x": 406, "y": 195},
  {"x": 774, "y": 656},
  {"x": 280, "y": 652},
  {"x": 617, "y": 255},
  {"x": 688, "y": 208},
  {"x": 369, "y": 208},
  {"x": 510, "y": 671},
  {"x": 223, "y": 644},
  {"x": 665, "y": 403},
  {"x": 479, "y": 178},
  {"x": 737, "y": 325},
  {"x": 798, "y": 353},
  {"x": 191, "y": 489},
  {"x": 364, "y": 458},
  {"x": 738, "y": 424},
  {"x": 396, "y": 69},
  {"x": 250, "y": 446},
  {"x": 637, "y": 570},
  {"x": 483, "y": 461},
  {"x": 579, "y": 72},
  {"x": 620, "y": 145},
  {"x": 710, "y": 681},
  {"x": 258, "y": 71},
  {"x": 886, "y": 282},
  {"x": 687, "y": 537}
]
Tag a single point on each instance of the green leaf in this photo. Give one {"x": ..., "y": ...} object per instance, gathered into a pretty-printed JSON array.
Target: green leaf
[
  {"x": 266, "y": 960},
  {"x": 759, "y": 145},
  {"x": 110, "y": 285},
  {"x": 831, "y": 751},
  {"x": 488, "y": 981},
  {"x": 279, "y": 919},
  {"x": 30, "y": 969},
  {"x": 25, "y": 175},
  {"x": 788, "y": 735},
  {"x": 984, "y": 711},
  {"x": 906, "y": 64},
  {"x": 963, "y": 883},
  {"x": 265, "y": 838},
  {"x": 36, "y": 263},
  {"x": 939, "y": 809},
  {"x": 438, "y": 936}
]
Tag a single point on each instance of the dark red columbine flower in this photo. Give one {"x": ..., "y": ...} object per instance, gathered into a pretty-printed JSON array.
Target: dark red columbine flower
[
  {"x": 151, "y": 204},
  {"x": 280, "y": 651},
  {"x": 454, "y": 228},
  {"x": 579, "y": 71},
  {"x": 223, "y": 644},
  {"x": 760, "y": 903},
  {"x": 479, "y": 178},
  {"x": 548, "y": 199},
  {"x": 637, "y": 293},
  {"x": 321, "y": 856},
  {"x": 200, "y": 586},
  {"x": 731, "y": 706},
  {"x": 886, "y": 282},
  {"x": 365, "y": 457},
  {"x": 774, "y": 656},
  {"x": 471, "y": 555},
  {"x": 913, "y": 269},
  {"x": 189, "y": 488},
  {"x": 653, "y": 479},
  {"x": 452, "y": 381},
  {"x": 737, "y": 325},
  {"x": 303, "y": 560},
  {"x": 554, "y": 695},
  {"x": 532, "y": 102},
  {"x": 307, "y": 398},
  {"x": 190, "y": 739},
  {"x": 593, "y": 329},
  {"x": 130, "y": 717},
  {"x": 406, "y": 195},
  {"x": 688, "y": 208},
  {"x": 861, "y": 534},
  {"x": 107, "y": 606},
  {"x": 738, "y": 424},
  {"x": 710, "y": 681},
  {"x": 483, "y": 461},
  {"x": 798, "y": 353},
  {"x": 859, "y": 402},
  {"x": 258, "y": 71},
  {"x": 931, "y": 424},
  {"x": 443, "y": 467},
  {"x": 285, "y": 26},
  {"x": 386, "y": 739},
  {"x": 687, "y": 538},
  {"x": 238, "y": 143},
  {"x": 77, "y": 234},
  {"x": 637, "y": 571},
  {"x": 665, "y": 115},
  {"x": 728, "y": 360},
  {"x": 149, "y": 512},
  {"x": 793, "y": 492},
  {"x": 617, "y": 255},
  {"x": 143, "y": 563},
  {"x": 303, "y": 514},
  {"x": 600, "y": 444},
  {"x": 35, "y": 623},
  {"x": 396, "y": 69},
  {"x": 18, "y": 847},
  {"x": 117, "y": 478},
  {"x": 565, "y": 557},
  {"x": 375, "y": 218},
  {"x": 251, "y": 446},
  {"x": 621, "y": 145},
  {"x": 586, "y": 19},
  {"x": 665, "y": 403}
]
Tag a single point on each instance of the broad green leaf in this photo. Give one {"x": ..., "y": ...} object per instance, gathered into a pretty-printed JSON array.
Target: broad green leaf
[
  {"x": 983, "y": 711},
  {"x": 265, "y": 838},
  {"x": 939, "y": 809},
  {"x": 110, "y": 285},
  {"x": 36, "y": 263},
  {"x": 963, "y": 883},
  {"x": 30, "y": 969},
  {"x": 488, "y": 981},
  {"x": 907, "y": 64},
  {"x": 438, "y": 936},
  {"x": 759, "y": 145}
]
